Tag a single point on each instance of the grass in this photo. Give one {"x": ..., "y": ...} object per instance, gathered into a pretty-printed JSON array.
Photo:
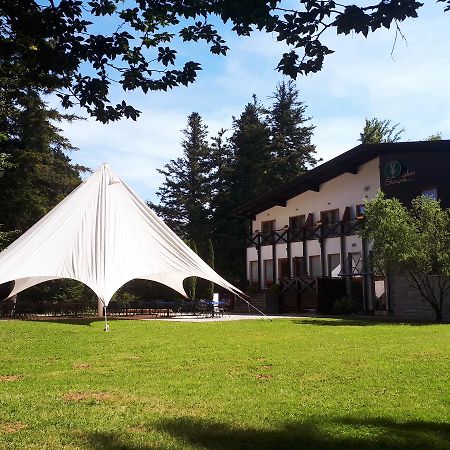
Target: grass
[{"x": 282, "y": 384}]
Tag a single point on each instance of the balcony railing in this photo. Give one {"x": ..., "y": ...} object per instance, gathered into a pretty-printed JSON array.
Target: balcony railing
[{"x": 318, "y": 231}]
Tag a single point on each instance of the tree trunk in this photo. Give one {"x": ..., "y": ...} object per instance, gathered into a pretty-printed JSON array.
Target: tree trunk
[{"x": 100, "y": 307}]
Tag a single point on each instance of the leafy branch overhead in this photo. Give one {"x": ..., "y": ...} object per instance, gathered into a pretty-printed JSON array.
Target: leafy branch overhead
[{"x": 61, "y": 44}]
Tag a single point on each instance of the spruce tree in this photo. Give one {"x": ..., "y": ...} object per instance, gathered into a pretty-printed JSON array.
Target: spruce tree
[
  {"x": 185, "y": 194},
  {"x": 210, "y": 259},
  {"x": 243, "y": 166},
  {"x": 190, "y": 283},
  {"x": 378, "y": 131},
  {"x": 291, "y": 147},
  {"x": 251, "y": 168},
  {"x": 39, "y": 173}
]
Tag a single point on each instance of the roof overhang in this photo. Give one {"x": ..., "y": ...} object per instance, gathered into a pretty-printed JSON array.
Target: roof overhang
[{"x": 348, "y": 162}]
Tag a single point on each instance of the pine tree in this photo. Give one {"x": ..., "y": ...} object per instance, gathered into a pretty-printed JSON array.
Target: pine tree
[
  {"x": 211, "y": 262},
  {"x": 243, "y": 169},
  {"x": 220, "y": 162},
  {"x": 185, "y": 195},
  {"x": 292, "y": 151},
  {"x": 378, "y": 131},
  {"x": 191, "y": 282},
  {"x": 40, "y": 173},
  {"x": 251, "y": 167}
]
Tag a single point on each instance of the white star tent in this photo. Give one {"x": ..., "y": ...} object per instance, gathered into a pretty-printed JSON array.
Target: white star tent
[{"x": 103, "y": 235}]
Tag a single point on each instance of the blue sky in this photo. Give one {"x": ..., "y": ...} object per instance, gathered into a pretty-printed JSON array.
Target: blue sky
[{"x": 361, "y": 79}]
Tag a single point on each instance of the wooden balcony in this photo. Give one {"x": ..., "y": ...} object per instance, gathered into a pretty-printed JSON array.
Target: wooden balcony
[{"x": 318, "y": 231}]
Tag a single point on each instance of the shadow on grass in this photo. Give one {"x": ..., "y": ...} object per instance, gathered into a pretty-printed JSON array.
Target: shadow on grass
[
  {"x": 357, "y": 322},
  {"x": 86, "y": 321},
  {"x": 320, "y": 433}
]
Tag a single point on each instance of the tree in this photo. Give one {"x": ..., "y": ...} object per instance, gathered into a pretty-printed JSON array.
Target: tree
[
  {"x": 209, "y": 291},
  {"x": 415, "y": 242},
  {"x": 191, "y": 282},
  {"x": 35, "y": 175},
  {"x": 251, "y": 169},
  {"x": 5, "y": 236},
  {"x": 40, "y": 173},
  {"x": 4, "y": 163},
  {"x": 52, "y": 44},
  {"x": 435, "y": 137},
  {"x": 186, "y": 192},
  {"x": 243, "y": 168},
  {"x": 380, "y": 131},
  {"x": 291, "y": 136},
  {"x": 225, "y": 241}
]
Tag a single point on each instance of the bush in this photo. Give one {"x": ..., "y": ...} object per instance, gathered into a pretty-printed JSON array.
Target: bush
[
  {"x": 275, "y": 288},
  {"x": 346, "y": 305}
]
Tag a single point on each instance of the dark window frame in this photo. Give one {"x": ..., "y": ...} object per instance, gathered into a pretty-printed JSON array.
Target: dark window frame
[
  {"x": 360, "y": 210},
  {"x": 273, "y": 228},
  {"x": 323, "y": 213},
  {"x": 302, "y": 220},
  {"x": 298, "y": 262}
]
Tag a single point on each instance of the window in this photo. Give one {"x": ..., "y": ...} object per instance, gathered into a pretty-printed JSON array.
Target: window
[
  {"x": 254, "y": 273},
  {"x": 315, "y": 269},
  {"x": 334, "y": 264},
  {"x": 331, "y": 216},
  {"x": 360, "y": 210},
  {"x": 268, "y": 271},
  {"x": 430, "y": 192},
  {"x": 267, "y": 229},
  {"x": 283, "y": 268},
  {"x": 298, "y": 266},
  {"x": 268, "y": 226},
  {"x": 297, "y": 222}
]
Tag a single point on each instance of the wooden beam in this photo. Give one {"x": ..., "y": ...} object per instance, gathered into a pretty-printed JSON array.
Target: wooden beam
[
  {"x": 350, "y": 168},
  {"x": 313, "y": 187},
  {"x": 277, "y": 202}
]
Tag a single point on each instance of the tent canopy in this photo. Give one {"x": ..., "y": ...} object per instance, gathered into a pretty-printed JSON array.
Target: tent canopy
[{"x": 102, "y": 235}]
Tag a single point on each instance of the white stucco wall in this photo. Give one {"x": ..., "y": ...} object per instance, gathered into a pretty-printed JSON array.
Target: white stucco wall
[{"x": 345, "y": 190}]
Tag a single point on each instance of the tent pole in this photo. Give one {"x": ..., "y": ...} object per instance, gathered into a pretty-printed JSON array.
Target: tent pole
[{"x": 106, "y": 322}]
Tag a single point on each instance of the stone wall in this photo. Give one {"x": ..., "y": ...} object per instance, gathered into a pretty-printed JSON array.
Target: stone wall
[{"x": 407, "y": 303}]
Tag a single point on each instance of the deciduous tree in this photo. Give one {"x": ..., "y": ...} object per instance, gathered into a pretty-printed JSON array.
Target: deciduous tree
[
  {"x": 82, "y": 47},
  {"x": 413, "y": 241}
]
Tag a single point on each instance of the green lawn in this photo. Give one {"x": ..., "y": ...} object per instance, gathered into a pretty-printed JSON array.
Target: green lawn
[{"x": 282, "y": 384}]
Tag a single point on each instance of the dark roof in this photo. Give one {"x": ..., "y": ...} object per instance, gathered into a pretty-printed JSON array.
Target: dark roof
[{"x": 346, "y": 162}]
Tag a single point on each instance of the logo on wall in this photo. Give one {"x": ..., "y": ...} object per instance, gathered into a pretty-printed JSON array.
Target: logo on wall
[
  {"x": 393, "y": 169},
  {"x": 394, "y": 173}
]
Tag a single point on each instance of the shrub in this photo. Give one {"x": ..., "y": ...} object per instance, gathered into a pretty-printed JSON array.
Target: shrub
[{"x": 346, "y": 305}]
